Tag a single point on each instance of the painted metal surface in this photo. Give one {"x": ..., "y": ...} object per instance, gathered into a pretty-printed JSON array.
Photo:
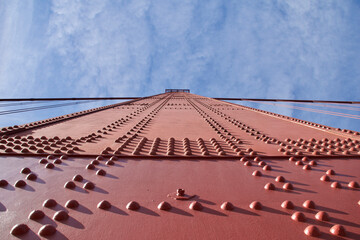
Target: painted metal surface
[{"x": 115, "y": 173}]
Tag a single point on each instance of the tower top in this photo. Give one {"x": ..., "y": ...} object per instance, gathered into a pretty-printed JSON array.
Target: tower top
[{"x": 177, "y": 90}]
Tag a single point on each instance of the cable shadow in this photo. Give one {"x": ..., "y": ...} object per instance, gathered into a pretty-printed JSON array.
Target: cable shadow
[
  {"x": 244, "y": 211},
  {"x": 80, "y": 190},
  {"x": 326, "y": 209},
  {"x": 327, "y": 236},
  {"x": 324, "y": 165},
  {"x": 213, "y": 212},
  {"x": 343, "y": 222},
  {"x": 352, "y": 235},
  {"x": 268, "y": 176},
  {"x": 2, "y": 207},
  {"x": 287, "y": 191},
  {"x": 147, "y": 211},
  {"x": 303, "y": 190},
  {"x": 57, "y": 169},
  {"x": 276, "y": 166},
  {"x": 46, "y": 220},
  {"x": 180, "y": 212},
  {"x": 117, "y": 165},
  {"x": 100, "y": 190},
  {"x": 72, "y": 222},
  {"x": 83, "y": 209},
  {"x": 39, "y": 180},
  {"x": 117, "y": 210},
  {"x": 108, "y": 175},
  {"x": 57, "y": 235},
  {"x": 345, "y": 175},
  {"x": 9, "y": 187},
  {"x": 273, "y": 210},
  {"x": 58, "y": 207},
  {"x": 319, "y": 223},
  {"x": 282, "y": 171},
  {"x": 31, "y": 235},
  {"x": 28, "y": 188},
  {"x": 197, "y": 198},
  {"x": 297, "y": 183}
]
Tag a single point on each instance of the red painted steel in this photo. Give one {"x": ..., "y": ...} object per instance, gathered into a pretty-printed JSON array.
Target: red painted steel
[{"x": 178, "y": 166}]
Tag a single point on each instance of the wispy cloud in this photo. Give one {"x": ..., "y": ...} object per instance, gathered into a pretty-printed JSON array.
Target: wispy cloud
[{"x": 269, "y": 49}]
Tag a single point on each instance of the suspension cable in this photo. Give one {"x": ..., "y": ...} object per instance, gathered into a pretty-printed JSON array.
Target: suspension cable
[
  {"x": 314, "y": 110},
  {"x": 6, "y": 112}
]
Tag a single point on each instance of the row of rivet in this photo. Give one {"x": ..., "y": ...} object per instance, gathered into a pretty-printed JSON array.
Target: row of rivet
[{"x": 154, "y": 146}]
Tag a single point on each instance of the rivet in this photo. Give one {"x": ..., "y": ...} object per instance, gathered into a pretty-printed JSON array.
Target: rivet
[
  {"x": 325, "y": 178},
  {"x": 267, "y": 168},
  {"x": 64, "y": 157},
  {"x": 25, "y": 170},
  {"x": 312, "y": 231},
  {"x": 243, "y": 159},
  {"x": 288, "y": 186},
  {"x": 3, "y": 183},
  {"x": 19, "y": 229},
  {"x": 313, "y": 163},
  {"x": 90, "y": 166},
  {"x": 31, "y": 176},
  {"x": 257, "y": 173},
  {"x": 20, "y": 183},
  {"x": 338, "y": 230},
  {"x": 280, "y": 179},
  {"x": 287, "y": 204},
  {"x": 49, "y": 203},
  {"x": 195, "y": 205},
  {"x": 330, "y": 172},
  {"x": 47, "y": 230},
  {"x": 70, "y": 185},
  {"x": 78, "y": 178},
  {"x": 292, "y": 159},
  {"x": 227, "y": 206},
  {"x": 309, "y": 204},
  {"x": 269, "y": 186},
  {"x": 261, "y": 163},
  {"x": 298, "y": 216},
  {"x": 299, "y": 163},
  {"x": 255, "y": 205},
  {"x": 101, "y": 172},
  {"x": 61, "y": 215},
  {"x": 307, "y": 167},
  {"x": 248, "y": 163},
  {"x": 336, "y": 185},
  {"x": 104, "y": 205},
  {"x": 353, "y": 184},
  {"x": 50, "y": 157},
  {"x": 133, "y": 205},
  {"x": 57, "y": 161},
  {"x": 8, "y": 150},
  {"x": 49, "y": 165},
  {"x": 305, "y": 159},
  {"x": 322, "y": 216},
  {"x": 95, "y": 162},
  {"x": 36, "y": 214},
  {"x": 89, "y": 185},
  {"x": 257, "y": 159},
  {"x": 109, "y": 163},
  {"x": 164, "y": 206},
  {"x": 72, "y": 204}
]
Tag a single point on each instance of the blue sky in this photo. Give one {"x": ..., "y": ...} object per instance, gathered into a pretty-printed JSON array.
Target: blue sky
[{"x": 305, "y": 49}]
